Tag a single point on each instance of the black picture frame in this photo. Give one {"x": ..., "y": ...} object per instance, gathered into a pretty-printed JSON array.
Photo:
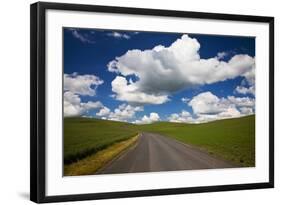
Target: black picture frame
[{"x": 38, "y": 100}]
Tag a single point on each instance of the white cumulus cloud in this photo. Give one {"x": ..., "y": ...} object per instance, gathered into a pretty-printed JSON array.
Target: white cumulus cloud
[
  {"x": 104, "y": 111},
  {"x": 207, "y": 103},
  {"x": 208, "y": 107},
  {"x": 130, "y": 93},
  {"x": 184, "y": 117},
  {"x": 161, "y": 71},
  {"x": 123, "y": 113},
  {"x": 153, "y": 117},
  {"x": 246, "y": 110},
  {"x": 81, "y": 84},
  {"x": 242, "y": 102},
  {"x": 244, "y": 90},
  {"x": 74, "y": 107}
]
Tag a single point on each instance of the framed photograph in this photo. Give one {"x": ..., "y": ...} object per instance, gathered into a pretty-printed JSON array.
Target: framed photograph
[{"x": 129, "y": 102}]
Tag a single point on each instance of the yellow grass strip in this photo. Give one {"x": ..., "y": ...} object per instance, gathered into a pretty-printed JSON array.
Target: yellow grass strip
[{"x": 93, "y": 163}]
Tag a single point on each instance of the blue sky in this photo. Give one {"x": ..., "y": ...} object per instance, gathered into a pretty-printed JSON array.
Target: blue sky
[{"x": 98, "y": 62}]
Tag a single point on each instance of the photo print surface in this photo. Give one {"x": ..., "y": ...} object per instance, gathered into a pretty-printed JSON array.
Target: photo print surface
[{"x": 136, "y": 101}]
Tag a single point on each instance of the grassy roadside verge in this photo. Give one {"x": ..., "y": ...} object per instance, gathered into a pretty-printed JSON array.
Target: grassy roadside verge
[{"x": 93, "y": 163}]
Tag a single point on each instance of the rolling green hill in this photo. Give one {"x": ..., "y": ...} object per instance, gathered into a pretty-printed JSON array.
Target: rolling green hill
[
  {"x": 231, "y": 139},
  {"x": 86, "y": 136}
]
